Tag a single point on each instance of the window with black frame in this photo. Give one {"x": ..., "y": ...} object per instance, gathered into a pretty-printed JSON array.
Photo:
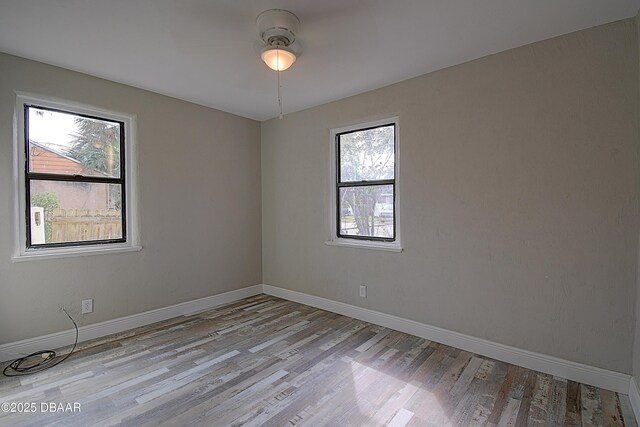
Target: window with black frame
[
  {"x": 366, "y": 183},
  {"x": 74, "y": 178}
]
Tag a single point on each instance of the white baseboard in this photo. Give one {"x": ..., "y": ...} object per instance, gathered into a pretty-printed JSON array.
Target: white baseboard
[
  {"x": 574, "y": 371},
  {"x": 17, "y": 349},
  {"x": 634, "y": 397}
]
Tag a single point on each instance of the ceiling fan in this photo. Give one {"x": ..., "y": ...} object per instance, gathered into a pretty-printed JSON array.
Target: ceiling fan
[{"x": 277, "y": 29}]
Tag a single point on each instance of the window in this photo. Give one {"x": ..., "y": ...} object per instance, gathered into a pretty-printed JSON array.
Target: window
[
  {"x": 73, "y": 167},
  {"x": 364, "y": 192}
]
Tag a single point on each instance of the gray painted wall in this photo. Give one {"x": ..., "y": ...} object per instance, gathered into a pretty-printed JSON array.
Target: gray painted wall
[
  {"x": 199, "y": 187},
  {"x": 519, "y": 187}
]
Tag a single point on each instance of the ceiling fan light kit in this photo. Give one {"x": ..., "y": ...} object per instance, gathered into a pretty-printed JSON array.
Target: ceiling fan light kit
[{"x": 278, "y": 58}]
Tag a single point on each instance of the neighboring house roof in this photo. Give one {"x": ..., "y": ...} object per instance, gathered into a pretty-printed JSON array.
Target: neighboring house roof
[{"x": 47, "y": 160}]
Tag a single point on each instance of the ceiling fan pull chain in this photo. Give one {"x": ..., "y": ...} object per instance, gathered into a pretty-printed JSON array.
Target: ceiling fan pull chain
[{"x": 279, "y": 97}]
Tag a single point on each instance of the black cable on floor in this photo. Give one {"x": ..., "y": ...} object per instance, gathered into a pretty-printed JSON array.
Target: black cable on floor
[{"x": 17, "y": 368}]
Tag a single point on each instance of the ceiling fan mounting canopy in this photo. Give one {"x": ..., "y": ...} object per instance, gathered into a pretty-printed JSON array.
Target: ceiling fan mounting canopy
[{"x": 277, "y": 27}]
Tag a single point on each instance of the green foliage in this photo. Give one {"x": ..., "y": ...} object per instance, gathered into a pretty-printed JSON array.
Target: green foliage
[
  {"x": 367, "y": 155},
  {"x": 97, "y": 145},
  {"x": 49, "y": 202}
]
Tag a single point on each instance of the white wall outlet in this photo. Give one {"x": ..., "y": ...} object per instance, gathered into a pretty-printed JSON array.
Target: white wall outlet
[
  {"x": 87, "y": 306},
  {"x": 363, "y": 291}
]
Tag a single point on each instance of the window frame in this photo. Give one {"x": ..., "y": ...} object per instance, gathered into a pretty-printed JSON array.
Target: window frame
[
  {"x": 367, "y": 242},
  {"x": 24, "y": 249}
]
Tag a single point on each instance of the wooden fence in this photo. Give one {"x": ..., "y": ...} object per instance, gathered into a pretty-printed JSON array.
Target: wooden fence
[{"x": 78, "y": 225}]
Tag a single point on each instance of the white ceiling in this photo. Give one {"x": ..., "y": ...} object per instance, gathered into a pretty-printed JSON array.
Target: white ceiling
[{"x": 207, "y": 51}]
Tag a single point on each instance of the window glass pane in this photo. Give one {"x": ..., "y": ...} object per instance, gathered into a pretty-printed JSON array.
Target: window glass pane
[
  {"x": 68, "y": 144},
  {"x": 367, "y": 211},
  {"x": 63, "y": 212},
  {"x": 367, "y": 154}
]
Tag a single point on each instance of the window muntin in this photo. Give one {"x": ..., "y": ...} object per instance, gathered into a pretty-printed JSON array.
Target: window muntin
[
  {"x": 365, "y": 183},
  {"x": 76, "y": 183}
]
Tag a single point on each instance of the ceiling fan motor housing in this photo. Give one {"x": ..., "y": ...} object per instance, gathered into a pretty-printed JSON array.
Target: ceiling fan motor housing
[{"x": 278, "y": 27}]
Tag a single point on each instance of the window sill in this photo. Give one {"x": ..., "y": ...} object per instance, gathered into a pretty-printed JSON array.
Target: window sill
[
  {"x": 391, "y": 247},
  {"x": 44, "y": 254}
]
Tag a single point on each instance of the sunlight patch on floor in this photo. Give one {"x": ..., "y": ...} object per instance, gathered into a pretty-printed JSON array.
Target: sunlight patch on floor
[{"x": 369, "y": 385}]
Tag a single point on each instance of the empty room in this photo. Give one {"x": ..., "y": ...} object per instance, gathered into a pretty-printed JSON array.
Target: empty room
[{"x": 319, "y": 213}]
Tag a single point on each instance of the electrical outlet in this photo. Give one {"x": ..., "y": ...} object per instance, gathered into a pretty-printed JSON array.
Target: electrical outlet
[
  {"x": 363, "y": 291},
  {"x": 87, "y": 306}
]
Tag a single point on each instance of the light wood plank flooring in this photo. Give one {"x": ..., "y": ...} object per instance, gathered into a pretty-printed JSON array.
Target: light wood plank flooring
[{"x": 267, "y": 361}]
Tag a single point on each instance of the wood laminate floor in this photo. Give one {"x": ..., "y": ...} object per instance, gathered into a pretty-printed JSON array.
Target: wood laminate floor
[{"x": 267, "y": 361}]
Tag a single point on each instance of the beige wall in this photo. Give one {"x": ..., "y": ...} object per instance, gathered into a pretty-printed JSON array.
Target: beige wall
[
  {"x": 519, "y": 199},
  {"x": 199, "y": 187}
]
